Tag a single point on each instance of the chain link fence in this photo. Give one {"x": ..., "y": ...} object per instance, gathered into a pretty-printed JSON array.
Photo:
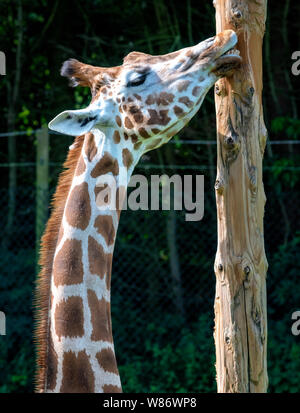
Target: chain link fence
[{"x": 163, "y": 287}]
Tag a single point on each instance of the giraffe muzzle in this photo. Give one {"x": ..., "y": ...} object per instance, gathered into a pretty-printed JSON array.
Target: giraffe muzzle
[
  {"x": 216, "y": 54},
  {"x": 227, "y": 57}
]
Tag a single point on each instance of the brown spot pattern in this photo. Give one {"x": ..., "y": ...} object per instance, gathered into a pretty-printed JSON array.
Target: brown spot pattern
[
  {"x": 186, "y": 101},
  {"x": 196, "y": 91},
  {"x": 144, "y": 133},
  {"x": 109, "y": 388},
  {"x": 106, "y": 164},
  {"x": 49, "y": 244},
  {"x": 128, "y": 123},
  {"x": 116, "y": 136},
  {"x": 105, "y": 227},
  {"x": 80, "y": 168},
  {"x": 164, "y": 98},
  {"x": 109, "y": 268},
  {"x": 127, "y": 158},
  {"x": 137, "y": 114},
  {"x": 158, "y": 118},
  {"x": 78, "y": 209},
  {"x": 98, "y": 260},
  {"x": 90, "y": 146},
  {"x": 137, "y": 145},
  {"x": 178, "y": 111},
  {"x": 51, "y": 365},
  {"x": 78, "y": 376},
  {"x": 107, "y": 360},
  {"x": 100, "y": 318},
  {"x": 134, "y": 138},
  {"x": 98, "y": 189},
  {"x": 182, "y": 86},
  {"x": 118, "y": 120},
  {"x": 69, "y": 318},
  {"x": 150, "y": 100},
  {"x": 67, "y": 267}
]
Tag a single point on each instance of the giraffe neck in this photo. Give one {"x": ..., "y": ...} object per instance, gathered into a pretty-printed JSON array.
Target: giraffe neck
[{"x": 80, "y": 351}]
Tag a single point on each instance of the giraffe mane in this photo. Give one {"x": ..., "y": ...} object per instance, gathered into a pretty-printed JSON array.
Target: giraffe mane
[{"x": 48, "y": 245}]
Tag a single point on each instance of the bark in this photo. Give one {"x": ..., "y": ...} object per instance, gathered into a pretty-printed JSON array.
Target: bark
[{"x": 240, "y": 265}]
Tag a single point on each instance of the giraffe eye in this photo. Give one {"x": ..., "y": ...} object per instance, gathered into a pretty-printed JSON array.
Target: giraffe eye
[{"x": 137, "y": 80}]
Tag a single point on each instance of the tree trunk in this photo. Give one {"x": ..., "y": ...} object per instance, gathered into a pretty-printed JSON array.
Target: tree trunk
[{"x": 240, "y": 265}]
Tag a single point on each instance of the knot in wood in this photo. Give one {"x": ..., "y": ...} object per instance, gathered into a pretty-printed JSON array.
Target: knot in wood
[
  {"x": 237, "y": 14},
  {"x": 251, "y": 90},
  {"x": 220, "y": 267},
  {"x": 220, "y": 88},
  {"x": 229, "y": 141},
  {"x": 227, "y": 340},
  {"x": 246, "y": 270},
  {"x": 219, "y": 186}
]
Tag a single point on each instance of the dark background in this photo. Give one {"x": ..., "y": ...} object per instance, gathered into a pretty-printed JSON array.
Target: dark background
[{"x": 161, "y": 346}]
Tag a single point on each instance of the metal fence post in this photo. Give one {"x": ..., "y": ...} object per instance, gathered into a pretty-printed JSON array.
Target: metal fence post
[{"x": 42, "y": 183}]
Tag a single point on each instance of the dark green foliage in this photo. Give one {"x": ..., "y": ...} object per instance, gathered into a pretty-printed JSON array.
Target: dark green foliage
[
  {"x": 283, "y": 300},
  {"x": 185, "y": 366},
  {"x": 16, "y": 348}
]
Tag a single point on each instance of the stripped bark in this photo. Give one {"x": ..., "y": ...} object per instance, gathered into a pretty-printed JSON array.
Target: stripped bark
[{"x": 240, "y": 265}]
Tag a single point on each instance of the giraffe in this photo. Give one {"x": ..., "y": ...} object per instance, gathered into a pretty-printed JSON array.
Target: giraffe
[{"x": 135, "y": 107}]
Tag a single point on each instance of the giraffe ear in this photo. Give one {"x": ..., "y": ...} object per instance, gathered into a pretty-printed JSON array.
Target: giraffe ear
[
  {"x": 75, "y": 122},
  {"x": 80, "y": 73}
]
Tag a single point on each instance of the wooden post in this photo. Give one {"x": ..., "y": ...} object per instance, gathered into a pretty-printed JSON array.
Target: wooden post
[
  {"x": 42, "y": 186},
  {"x": 240, "y": 265}
]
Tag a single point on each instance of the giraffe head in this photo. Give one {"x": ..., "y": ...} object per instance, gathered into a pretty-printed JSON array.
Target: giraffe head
[{"x": 149, "y": 98}]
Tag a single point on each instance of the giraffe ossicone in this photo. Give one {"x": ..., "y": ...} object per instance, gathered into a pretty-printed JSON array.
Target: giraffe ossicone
[{"x": 135, "y": 107}]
